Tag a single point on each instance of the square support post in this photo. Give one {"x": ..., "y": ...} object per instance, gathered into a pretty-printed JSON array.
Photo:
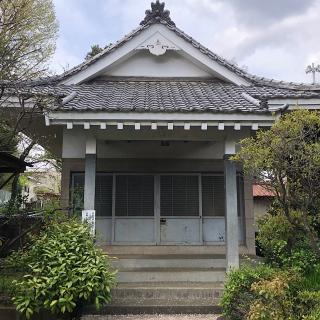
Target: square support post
[
  {"x": 90, "y": 174},
  {"x": 232, "y": 224}
]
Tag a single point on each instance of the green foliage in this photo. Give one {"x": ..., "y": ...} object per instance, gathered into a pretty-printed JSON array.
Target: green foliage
[
  {"x": 287, "y": 159},
  {"x": 265, "y": 293},
  {"x": 275, "y": 297},
  {"x": 6, "y": 286},
  {"x": 237, "y": 296},
  {"x": 64, "y": 271},
  {"x": 28, "y": 31},
  {"x": 95, "y": 49},
  {"x": 77, "y": 200},
  {"x": 311, "y": 281},
  {"x": 283, "y": 245},
  {"x": 14, "y": 206},
  {"x": 283, "y": 297}
]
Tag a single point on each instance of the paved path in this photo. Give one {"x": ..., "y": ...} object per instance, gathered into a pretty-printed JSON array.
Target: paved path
[{"x": 156, "y": 317}]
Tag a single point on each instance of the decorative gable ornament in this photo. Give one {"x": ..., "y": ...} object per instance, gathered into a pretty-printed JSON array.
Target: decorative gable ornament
[
  {"x": 157, "y": 49},
  {"x": 158, "y": 45},
  {"x": 157, "y": 14}
]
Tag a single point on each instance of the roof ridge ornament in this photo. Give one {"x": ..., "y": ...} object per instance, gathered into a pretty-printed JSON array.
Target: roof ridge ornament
[{"x": 157, "y": 14}]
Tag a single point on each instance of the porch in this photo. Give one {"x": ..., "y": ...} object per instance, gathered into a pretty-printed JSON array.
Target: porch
[{"x": 163, "y": 192}]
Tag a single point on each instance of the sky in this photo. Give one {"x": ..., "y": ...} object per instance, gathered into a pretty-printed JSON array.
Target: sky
[{"x": 270, "y": 38}]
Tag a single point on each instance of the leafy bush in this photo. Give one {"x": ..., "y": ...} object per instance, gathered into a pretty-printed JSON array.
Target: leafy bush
[
  {"x": 6, "y": 286},
  {"x": 287, "y": 295},
  {"x": 265, "y": 293},
  {"x": 283, "y": 245},
  {"x": 308, "y": 305},
  {"x": 237, "y": 296},
  {"x": 275, "y": 297},
  {"x": 64, "y": 271}
]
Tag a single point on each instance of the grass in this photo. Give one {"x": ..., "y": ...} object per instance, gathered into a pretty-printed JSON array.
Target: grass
[{"x": 312, "y": 280}]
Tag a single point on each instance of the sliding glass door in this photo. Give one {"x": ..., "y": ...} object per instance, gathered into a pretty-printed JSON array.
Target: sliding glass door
[
  {"x": 159, "y": 208},
  {"x": 180, "y": 209}
]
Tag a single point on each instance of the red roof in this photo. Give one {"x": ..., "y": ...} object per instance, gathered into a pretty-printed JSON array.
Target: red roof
[{"x": 261, "y": 191}]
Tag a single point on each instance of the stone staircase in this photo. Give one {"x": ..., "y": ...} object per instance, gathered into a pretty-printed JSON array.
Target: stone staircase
[{"x": 166, "y": 283}]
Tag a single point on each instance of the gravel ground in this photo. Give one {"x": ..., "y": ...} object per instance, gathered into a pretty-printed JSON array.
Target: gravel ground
[{"x": 156, "y": 317}]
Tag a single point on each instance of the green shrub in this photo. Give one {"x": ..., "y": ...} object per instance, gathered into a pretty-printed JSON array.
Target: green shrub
[
  {"x": 282, "y": 245},
  {"x": 237, "y": 296},
  {"x": 6, "y": 286},
  {"x": 275, "y": 297},
  {"x": 65, "y": 270},
  {"x": 308, "y": 304},
  {"x": 264, "y": 293},
  {"x": 309, "y": 296}
]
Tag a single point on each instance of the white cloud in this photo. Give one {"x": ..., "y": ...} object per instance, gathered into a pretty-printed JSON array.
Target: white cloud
[{"x": 273, "y": 38}]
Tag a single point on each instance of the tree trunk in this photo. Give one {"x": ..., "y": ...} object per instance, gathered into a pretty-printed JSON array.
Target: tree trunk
[{"x": 14, "y": 194}]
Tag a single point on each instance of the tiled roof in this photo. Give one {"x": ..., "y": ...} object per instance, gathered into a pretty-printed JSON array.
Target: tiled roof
[
  {"x": 161, "y": 16},
  {"x": 261, "y": 191},
  {"x": 166, "y": 95}
]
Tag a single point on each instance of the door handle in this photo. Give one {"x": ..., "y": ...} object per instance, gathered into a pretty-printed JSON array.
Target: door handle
[{"x": 163, "y": 221}]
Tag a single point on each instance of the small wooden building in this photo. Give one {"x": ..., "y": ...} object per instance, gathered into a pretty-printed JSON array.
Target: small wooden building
[{"x": 146, "y": 129}]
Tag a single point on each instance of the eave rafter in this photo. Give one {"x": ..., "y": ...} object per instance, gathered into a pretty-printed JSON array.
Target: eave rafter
[{"x": 169, "y": 122}]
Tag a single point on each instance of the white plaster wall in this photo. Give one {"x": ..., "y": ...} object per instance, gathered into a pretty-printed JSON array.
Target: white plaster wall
[
  {"x": 74, "y": 144},
  {"x": 74, "y": 147},
  {"x": 154, "y": 150},
  {"x": 146, "y": 144},
  {"x": 145, "y": 64}
]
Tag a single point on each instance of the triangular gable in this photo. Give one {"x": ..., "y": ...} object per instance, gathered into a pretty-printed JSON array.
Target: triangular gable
[{"x": 157, "y": 35}]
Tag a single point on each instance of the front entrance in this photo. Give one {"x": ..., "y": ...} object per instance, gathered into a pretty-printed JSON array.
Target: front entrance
[
  {"x": 159, "y": 209},
  {"x": 180, "y": 209}
]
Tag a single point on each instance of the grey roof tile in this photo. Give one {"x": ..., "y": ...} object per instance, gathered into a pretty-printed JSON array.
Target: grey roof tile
[{"x": 141, "y": 95}]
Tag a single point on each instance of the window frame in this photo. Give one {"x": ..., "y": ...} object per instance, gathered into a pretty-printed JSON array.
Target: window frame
[{"x": 157, "y": 195}]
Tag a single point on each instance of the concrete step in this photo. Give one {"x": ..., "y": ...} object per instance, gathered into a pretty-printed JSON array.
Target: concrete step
[
  {"x": 171, "y": 275},
  {"x": 115, "y": 250},
  {"x": 148, "y": 310},
  {"x": 132, "y": 262},
  {"x": 178, "y": 291},
  {"x": 164, "y": 297}
]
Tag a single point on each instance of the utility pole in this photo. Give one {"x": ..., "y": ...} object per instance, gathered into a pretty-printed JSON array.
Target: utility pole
[{"x": 313, "y": 69}]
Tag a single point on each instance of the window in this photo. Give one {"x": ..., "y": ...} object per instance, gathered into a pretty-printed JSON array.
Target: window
[
  {"x": 213, "y": 197},
  {"x": 77, "y": 192},
  {"x": 103, "y": 197},
  {"x": 179, "y": 195},
  {"x": 134, "y": 195}
]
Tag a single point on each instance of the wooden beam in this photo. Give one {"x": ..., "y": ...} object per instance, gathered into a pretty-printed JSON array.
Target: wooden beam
[
  {"x": 237, "y": 126},
  {"x": 137, "y": 126},
  {"x": 204, "y": 126}
]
